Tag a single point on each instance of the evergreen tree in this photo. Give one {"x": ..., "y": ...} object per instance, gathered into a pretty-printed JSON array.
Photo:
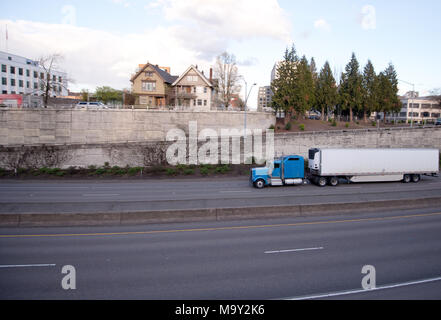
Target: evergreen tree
[
  {"x": 351, "y": 91},
  {"x": 387, "y": 97},
  {"x": 284, "y": 86},
  {"x": 305, "y": 95},
  {"x": 326, "y": 90},
  {"x": 370, "y": 90}
]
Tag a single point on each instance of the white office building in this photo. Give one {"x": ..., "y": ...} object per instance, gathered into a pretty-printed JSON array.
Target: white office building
[
  {"x": 20, "y": 75},
  {"x": 264, "y": 98},
  {"x": 420, "y": 110}
]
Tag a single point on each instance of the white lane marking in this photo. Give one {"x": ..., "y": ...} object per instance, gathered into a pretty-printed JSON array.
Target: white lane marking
[
  {"x": 100, "y": 195},
  {"x": 235, "y": 192},
  {"x": 343, "y": 293},
  {"x": 293, "y": 250},
  {"x": 27, "y": 265}
]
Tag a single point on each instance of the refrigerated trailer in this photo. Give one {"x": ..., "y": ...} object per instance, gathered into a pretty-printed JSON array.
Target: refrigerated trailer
[{"x": 327, "y": 166}]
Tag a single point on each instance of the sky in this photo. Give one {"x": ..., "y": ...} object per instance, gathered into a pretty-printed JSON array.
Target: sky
[{"x": 103, "y": 41}]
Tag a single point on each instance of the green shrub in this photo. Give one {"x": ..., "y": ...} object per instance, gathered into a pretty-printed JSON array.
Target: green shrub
[
  {"x": 91, "y": 167},
  {"x": 288, "y": 126},
  {"x": 100, "y": 171},
  {"x": 204, "y": 171},
  {"x": 171, "y": 172},
  {"x": 347, "y": 125},
  {"x": 272, "y": 127},
  {"x": 188, "y": 171},
  {"x": 374, "y": 123},
  {"x": 223, "y": 169},
  {"x": 334, "y": 123},
  {"x": 60, "y": 174},
  {"x": 302, "y": 127},
  {"x": 134, "y": 171}
]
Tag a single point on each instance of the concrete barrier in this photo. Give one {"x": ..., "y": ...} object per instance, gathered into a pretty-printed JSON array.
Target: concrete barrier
[{"x": 220, "y": 214}]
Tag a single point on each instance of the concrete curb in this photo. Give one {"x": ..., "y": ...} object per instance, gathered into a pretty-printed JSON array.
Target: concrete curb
[{"x": 198, "y": 215}]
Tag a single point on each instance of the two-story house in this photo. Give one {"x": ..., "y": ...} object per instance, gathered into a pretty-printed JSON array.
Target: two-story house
[
  {"x": 193, "y": 90},
  {"x": 152, "y": 85}
]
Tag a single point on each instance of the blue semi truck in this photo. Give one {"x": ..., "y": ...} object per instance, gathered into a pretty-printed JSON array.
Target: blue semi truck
[{"x": 329, "y": 166}]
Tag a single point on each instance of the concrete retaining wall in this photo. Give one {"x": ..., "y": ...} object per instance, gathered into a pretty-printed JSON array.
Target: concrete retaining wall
[{"x": 27, "y": 127}]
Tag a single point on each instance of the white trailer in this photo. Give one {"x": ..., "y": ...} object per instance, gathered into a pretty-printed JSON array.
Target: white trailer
[{"x": 327, "y": 166}]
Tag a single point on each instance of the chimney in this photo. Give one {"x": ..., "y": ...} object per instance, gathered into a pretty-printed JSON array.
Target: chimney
[{"x": 211, "y": 74}]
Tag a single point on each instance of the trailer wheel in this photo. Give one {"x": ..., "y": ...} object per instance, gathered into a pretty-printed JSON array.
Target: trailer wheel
[
  {"x": 416, "y": 178},
  {"x": 333, "y": 181},
  {"x": 322, "y": 181},
  {"x": 259, "y": 184},
  {"x": 407, "y": 178}
]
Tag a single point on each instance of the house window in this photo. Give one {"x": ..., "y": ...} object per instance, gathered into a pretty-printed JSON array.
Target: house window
[
  {"x": 28, "y": 84},
  {"x": 192, "y": 78},
  {"x": 4, "y": 68},
  {"x": 205, "y": 103},
  {"x": 194, "y": 102},
  {"x": 35, "y": 85},
  {"x": 20, "y": 71},
  {"x": 149, "y": 86},
  {"x": 35, "y": 74},
  {"x": 4, "y": 81},
  {"x": 54, "y": 78},
  {"x": 28, "y": 73},
  {"x": 12, "y": 82},
  {"x": 205, "y": 90},
  {"x": 195, "y": 90},
  {"x": 60, "y": 79},
  {"x": 13, "y": 70},
  {"x": 42, "y": 75},
  {"x": 20, "y": 83},
  {"x": 199, "y": 102},
  {"x": 149, "y": 74}
]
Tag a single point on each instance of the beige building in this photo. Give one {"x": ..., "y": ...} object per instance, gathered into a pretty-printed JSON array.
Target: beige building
[
  {"x": 152, "y": 85},
  {"x": 193, "y": 90}
]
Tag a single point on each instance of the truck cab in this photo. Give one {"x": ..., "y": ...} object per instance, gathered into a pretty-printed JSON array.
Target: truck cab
[{"x": 288, "y": 170}]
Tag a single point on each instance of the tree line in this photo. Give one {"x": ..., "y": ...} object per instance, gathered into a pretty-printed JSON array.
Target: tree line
[{"x": 299, "y": 88}]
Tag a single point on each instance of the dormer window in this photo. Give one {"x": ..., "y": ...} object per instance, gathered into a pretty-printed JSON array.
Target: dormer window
[{"x": 148, "y": 74}]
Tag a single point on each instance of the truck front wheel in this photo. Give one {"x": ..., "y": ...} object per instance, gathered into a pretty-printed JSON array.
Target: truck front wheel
[
  {"x": 407, "y": 178},
  {"x": 259, "y": 184}
]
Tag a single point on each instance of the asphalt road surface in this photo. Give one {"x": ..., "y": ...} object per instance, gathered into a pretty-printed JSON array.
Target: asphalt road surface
[
  {"x": 116, "y": 196},
  {"x": 313, "y": 258}
]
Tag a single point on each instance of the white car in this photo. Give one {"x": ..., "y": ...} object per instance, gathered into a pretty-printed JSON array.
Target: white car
[{"x": 91, "y": 105}]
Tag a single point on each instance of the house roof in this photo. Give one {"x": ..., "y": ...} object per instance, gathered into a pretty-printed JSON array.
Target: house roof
[
  {"x": 168, "y": 78},
  {"x": 197, "y": 71}
]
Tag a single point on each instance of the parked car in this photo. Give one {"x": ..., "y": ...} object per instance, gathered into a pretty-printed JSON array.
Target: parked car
[
  {"x": 91, "y": 105},
  {"x": 438, "y": 122}
]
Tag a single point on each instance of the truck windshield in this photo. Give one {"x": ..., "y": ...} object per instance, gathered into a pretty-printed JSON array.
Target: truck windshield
[{"x": 312, "y": 153}]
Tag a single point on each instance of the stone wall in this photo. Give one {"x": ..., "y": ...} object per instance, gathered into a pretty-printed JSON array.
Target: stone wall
[{"x": 30, "y": 127}]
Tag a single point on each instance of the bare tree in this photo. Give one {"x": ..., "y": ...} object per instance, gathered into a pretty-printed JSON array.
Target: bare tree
[
  {"x": 49, "y": 83},
  {"x": 228, "y": 77}
]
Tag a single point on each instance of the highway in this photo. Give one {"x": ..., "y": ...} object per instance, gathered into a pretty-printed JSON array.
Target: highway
[
  {"x": 88, "y": 196},
  {"x": 315, "y": 257}
]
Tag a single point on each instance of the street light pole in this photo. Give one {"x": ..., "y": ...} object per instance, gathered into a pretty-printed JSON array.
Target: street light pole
[{"x": 246, "y": 103}]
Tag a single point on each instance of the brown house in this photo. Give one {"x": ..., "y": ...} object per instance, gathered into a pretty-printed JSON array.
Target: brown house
[{"x": 151, "y": 85}]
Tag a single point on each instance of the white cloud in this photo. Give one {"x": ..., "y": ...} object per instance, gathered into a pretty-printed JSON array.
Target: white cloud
[
  {"x": 233, "y": 19},
  {"x": 368, "y": 17},
  {"x": 95, "y": 58},
  {"x": 195, "y": 33},
  {"x": 322, "y": 24}
]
